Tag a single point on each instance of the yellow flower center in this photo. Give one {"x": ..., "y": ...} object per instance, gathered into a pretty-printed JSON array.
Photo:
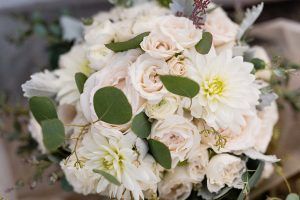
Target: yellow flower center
[
  {"x": 214, "y": 86},
  {"x": 84, "y": 68}
]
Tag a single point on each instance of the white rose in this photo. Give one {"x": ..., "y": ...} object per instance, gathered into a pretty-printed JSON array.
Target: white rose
[
  {"x": 99, "y": 33},
  {"x": 221, "y": 27},
  {"x": 179, "y": 65},
  {"x": 159, "y": 46},
  {"x": 166, "y": 107},
  {"x": 176, "y": 185},
  {"x": 269, "y": 117},
  {"x": 225, "y": 169},
  {"x": 144, "y": 75},
  {"x": 197, "y": 163},
  {"x": 82, "y": 179},
  {"x": 98, "y": 56},
  {"x": 114, "y": 74},
  {"x": 178, "y": 134},
  {"x": 35, "y": 130},
  {"x": 181, "y": 30}
]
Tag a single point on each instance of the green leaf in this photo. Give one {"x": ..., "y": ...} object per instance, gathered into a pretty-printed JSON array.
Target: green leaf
[
  {"x": 108, "y": 176},
  {"x": 292, "y": 196},
  {"x": 180, "y": 85},
  {"x": 53, "y": 134},
  {"x": 204, "y": 45},
  {"x": 165, "y": 3},
  {"x": 141, "y": 125},
  {"x": 259, "y": 64},
  {"x": 253, "y": 178},
  {"x": 160, "y": 153},
  {"x": 42, "y": 108},
  {"x": 130, "y": 44},
  {"x": 80, "y": 79},
  {"x": 65, "y": 185},
  {"x": 111, "y": 106}
]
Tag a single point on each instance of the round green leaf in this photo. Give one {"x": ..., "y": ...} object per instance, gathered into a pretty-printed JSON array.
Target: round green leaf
[
  {"x": 112, "y": 106},
  {"x": 180, "y": 85},
  {"x": 80, "y": 79},
  {"x": 42, "y": 108},
  {"x": 160, "y": 153},
  {"x": 141, "y": 125},
  {"x": 292, "y": 196},
  {"x": 108, "y": 176},
  {"x": 204, "y": 45},
  {"x": 53, "y": 134},
  {"x": 259, "y": 64},
  {"x": 127, "y": 45}
]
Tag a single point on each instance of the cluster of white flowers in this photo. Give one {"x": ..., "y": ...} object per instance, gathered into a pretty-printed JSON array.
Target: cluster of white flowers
[{"x": 226, "y": 104}]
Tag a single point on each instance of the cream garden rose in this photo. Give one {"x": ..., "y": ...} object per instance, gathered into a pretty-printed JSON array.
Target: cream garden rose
[
  {"x": 178, "y": 134},
  {"x": 224, "y": 31},
  {"x": 179, "y": 65},
  {"x": 198, "y": 159},
  {"x": 144, "y": 76},
  {"x": 159, "y": 46},
  {"x": 181, "y": 30},
  {"x": 176, "y": 185},
  {"x": 225, "y": 170}
]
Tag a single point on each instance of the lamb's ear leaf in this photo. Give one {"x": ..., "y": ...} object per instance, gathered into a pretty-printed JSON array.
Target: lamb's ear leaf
[
  {"x": 160, "y": 153},
  {"x": 108, "y": 176},
  {"x": 42, "y": 108},
  {"x": 53, "y": 134},
  {"x": 80, "y": 79},
  {"x": 180, "y": 85},
  {"x": 112, "y": 106},
  {"x": 204, "y": 45},
  {"x": 127, "y": 45}
]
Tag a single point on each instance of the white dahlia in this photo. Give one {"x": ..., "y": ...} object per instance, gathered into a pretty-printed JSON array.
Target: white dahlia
[
  {"x": 114, "y": 153},
  {"x": 227, "y": 90}
]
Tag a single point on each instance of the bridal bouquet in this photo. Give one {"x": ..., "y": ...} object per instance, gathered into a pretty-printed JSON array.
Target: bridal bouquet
[{"x": 161, "y": 100}]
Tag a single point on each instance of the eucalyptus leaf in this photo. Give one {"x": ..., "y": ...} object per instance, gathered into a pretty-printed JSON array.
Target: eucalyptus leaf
[
  {"x": 65, "y": 185},
  {"x": 259, "y": 64},
  {"x": 42, "y": 108},
  {"x": 127, "y": 45},
  {"x": 108, "y": 176},
  {"x": 254, "y": 177},
  {"x": 160, "y": 153},
  {"x": 53, "y": 134},
  {"x": 80, "y": 79},
  {"x": 112, "y": 106},
  {"x": 180, "y": 85},
  {"x": 204, "y": 45},
  {"x": 141, "y": 125},
  {"x": 292, "y": 196},
  {"x": 165, "y": 3}
]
